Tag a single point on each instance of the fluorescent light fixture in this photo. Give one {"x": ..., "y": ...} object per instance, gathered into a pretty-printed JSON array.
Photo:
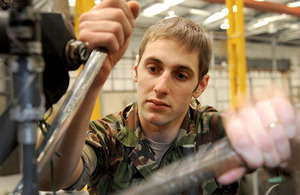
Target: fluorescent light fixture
[
  {"x": 294, "y": 4},
  {"x": 171, "y": 13},
  {"x": 294, "y": 26},
  {"x": 234, "y": 8},
  {"x": 155, "y": 9},
  {"x": 97, "y": 2},
  {"x": 173, "y": 2},
  {"x": 199, "y": 12},
  {"x": 224, "y": 11},
  {"x": 72, "y": 3},
  {"x": 215, "y": 17},
  {"x": 271, "y": 19},
  {"x": 259, "y": 0},
  {"x": 224, "y": 26},
  {"x": 260, "y": 23}
]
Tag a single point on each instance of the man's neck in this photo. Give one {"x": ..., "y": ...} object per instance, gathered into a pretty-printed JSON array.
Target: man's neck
[{"x": 161, "y": 133}]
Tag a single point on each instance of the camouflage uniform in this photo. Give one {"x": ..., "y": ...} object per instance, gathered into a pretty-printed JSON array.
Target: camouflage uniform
[{"x": 124, "y": 156}]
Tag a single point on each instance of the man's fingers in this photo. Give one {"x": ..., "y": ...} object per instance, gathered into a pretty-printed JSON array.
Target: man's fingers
[
  {"x": 260, "y": 138},
  {"x": 231, "y": 176},
  {"x": 122, "y": 5},
  {"x": 260, "y": 133},
  {"x": 286, "y": 114},
  {"x": 134, "y": 7},
  {"x": 273, "y": 126},
  {"x": 242, "y": 142}
]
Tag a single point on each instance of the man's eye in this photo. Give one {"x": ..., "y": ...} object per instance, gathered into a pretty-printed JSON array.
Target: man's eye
[
  {"x": 181, "y": 76},
  {"x": 153, "y": 69}
]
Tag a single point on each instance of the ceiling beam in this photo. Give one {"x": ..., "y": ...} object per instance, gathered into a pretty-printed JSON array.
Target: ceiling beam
[{"x": 266, "y": 7}]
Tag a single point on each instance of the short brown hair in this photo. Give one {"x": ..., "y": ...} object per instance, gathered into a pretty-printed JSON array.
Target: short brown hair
[{"x": 193, "y": 36}]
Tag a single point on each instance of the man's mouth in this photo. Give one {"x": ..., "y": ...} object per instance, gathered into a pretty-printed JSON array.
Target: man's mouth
[{"x": 158, "y": 103}]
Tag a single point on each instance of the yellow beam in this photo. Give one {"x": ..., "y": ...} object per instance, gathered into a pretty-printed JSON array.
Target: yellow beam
[
  {"x": 241, "y": 49},
  {"x": 236, "y": 51},
  {"x": 82, "y": 6}
]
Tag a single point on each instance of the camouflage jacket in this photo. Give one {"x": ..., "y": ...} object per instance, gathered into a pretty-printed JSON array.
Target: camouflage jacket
[{"x": 124, "y": 156}]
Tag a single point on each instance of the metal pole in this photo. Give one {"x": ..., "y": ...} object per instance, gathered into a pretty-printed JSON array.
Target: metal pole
[
  {"x": 71, "y": 104},
  {"x": 190, "y": 171}
]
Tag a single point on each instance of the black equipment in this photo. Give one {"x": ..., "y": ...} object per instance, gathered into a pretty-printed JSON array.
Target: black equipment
[{"x": 40, "y": 49}]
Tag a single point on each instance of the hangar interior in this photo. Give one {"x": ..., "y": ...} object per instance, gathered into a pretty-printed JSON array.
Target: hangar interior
[{"x": 272, "y": 52}]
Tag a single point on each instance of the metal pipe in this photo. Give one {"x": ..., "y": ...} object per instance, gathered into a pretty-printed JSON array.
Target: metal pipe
[
  {"x": 66, "y": 113},
  {"x": 71, "y": 104},
  {"x": 191, "y": 171},
  {"x": 219, "y": 158}
]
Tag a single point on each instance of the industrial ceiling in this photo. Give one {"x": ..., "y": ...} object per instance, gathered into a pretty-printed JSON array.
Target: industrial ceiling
[{"x": 264, "y": 20}]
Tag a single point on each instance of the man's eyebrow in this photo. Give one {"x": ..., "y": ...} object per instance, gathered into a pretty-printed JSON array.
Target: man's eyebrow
[
  {"x": 184, "y": 67},
  {"x": 154, "y": 59},
  {"x": 177, "y": 66}
]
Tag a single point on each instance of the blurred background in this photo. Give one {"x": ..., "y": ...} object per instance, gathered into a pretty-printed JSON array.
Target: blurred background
[{"x": 268, "y": 39}]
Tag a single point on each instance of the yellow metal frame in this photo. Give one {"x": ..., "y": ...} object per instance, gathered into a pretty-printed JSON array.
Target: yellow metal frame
[
  {"x": 81, "y": 7},
  {"x": 236, "y": 52}
]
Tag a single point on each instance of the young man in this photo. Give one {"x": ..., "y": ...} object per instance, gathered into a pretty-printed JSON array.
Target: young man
[{"x": 124, "y": 148}]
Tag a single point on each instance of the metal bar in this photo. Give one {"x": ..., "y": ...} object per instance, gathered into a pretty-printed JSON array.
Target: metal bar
[
  {"x": 82, "y": 6},
  {"x": 66, "y": 113},
  {"x": 71, "y": 104},
  {"x": 180, "y": 175},
  {"x": 190, "y": 171}
]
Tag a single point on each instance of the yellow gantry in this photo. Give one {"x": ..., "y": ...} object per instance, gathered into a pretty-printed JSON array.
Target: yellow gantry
[
  {"x": 82, "y": 6},
  {"x": 236, "y": 51}
]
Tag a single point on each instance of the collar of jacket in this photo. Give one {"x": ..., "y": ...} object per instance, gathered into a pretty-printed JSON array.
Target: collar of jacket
[{"x": 131, "y": 135}]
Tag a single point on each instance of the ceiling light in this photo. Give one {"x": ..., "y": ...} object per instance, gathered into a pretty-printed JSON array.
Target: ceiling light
[
  {"x": 224, "y": 11},
  {"x": 294, "y": 4},
  {"x": 215, "y": 17},
  {"x": 155, "y": 9},
  {"x": 271, "y": 19},
  {"x": 171, "y": 13},
  {"x": 97, "y": 2},
  {"x": 173, "y": 2},
  {"x": 234, "y": 8},
  {"x": 294, "y": 26},
  {"x": 260, "y": 23},
  {"x": 225, "y": 24},
  {"x": 259, "y": 0},
  {"x": 199, "y": 12},
  {"x": 72, "y": 3}
]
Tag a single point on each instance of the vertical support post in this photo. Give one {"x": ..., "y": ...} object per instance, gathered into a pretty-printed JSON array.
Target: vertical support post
[
  {"x": 236, "y": 51},
  {"x": 81, "y": 7},
  {"x": 27, "y": 65}
]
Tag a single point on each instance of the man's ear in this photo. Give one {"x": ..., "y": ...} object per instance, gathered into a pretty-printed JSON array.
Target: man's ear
[
  {"x": 134, "y": 70},
  {"x": 202, "y": 86}
]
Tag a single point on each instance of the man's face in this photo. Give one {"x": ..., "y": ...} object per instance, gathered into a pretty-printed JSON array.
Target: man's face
[{"x": 166, "y": 77}]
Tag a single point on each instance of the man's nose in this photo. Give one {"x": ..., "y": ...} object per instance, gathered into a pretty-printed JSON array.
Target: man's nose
[{"x": 162, "y": 86}]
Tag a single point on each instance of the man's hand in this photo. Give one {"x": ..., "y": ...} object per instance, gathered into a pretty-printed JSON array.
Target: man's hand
[
  {"x": 108, "y": 26},
  {"x": 261, "y": 135}
]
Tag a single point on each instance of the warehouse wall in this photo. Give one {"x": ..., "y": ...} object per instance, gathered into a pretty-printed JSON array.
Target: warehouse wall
[{"x": 120, "y": 85}]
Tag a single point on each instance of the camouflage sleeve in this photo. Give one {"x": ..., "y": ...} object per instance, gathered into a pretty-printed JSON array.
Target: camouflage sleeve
[
  {"x": 89, "y": 164},
  {"x": 209, "y": 126}
]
